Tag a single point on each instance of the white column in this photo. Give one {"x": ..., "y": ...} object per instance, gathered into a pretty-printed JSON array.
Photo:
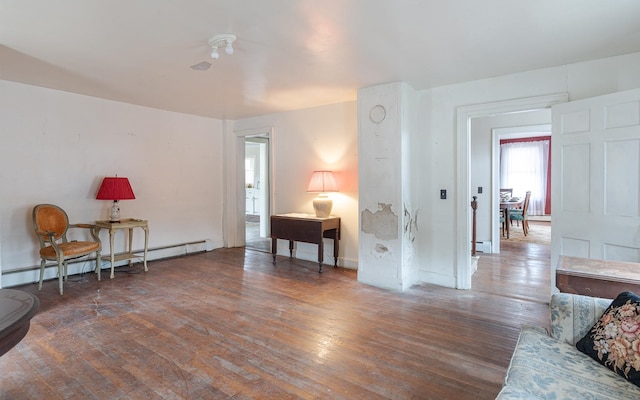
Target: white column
[{"x": 387, "y": 217}]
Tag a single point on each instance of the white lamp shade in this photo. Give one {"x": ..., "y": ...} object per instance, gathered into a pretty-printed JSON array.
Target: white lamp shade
[{"x": 322, "y": 181}]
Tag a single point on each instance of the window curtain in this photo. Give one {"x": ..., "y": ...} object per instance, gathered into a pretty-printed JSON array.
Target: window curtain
[{"x": 523, "y": 167}]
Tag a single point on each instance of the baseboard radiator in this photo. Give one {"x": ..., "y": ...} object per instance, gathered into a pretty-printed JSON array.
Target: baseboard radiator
[
  {"x": 21, "y": 276},
  {"x": 483, "y": 247}
]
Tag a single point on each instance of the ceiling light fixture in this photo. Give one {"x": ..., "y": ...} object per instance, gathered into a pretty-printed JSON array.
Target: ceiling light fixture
[{"x": 223, "y": 39}]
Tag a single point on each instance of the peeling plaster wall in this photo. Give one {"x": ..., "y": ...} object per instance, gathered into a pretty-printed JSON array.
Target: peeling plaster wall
[
  {"x": 386, "y": 247},
  {"x": 382, "y": 224},
  {"x": 412, "y": 178}
]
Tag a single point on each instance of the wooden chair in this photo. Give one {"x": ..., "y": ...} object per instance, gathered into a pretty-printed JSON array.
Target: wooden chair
[
  {"x": 51, "y": 224},
  {"x": 510, "y": 190},
  {"x": 505, "y": 194},
  {"x": 520, "y": 214}
]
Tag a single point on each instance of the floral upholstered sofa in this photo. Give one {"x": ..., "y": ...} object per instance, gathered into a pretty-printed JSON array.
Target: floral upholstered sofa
[{"x": 547, "y": 366}]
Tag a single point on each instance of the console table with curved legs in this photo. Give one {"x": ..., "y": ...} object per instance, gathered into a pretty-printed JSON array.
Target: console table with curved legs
[{"x": 128, "y": 223}]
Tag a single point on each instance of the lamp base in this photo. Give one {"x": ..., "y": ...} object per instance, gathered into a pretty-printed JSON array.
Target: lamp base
[
  {"x": 115, "y": 212},
  {"x": 322, "y": 206}
]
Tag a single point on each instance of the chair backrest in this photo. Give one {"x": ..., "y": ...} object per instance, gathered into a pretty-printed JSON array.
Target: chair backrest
[
  {"x": 525, "y": 205},
  {"x": 50, "y": 218},
  {"x": 505, "y": 194},
  {"x": 510, "y": 190}
]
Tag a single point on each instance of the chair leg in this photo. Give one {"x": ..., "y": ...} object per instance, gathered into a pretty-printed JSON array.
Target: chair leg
[
  {"x": 42, "y": 265},
  {"x": 61, "y": 275},
  {"x": 98, "y": 264}
]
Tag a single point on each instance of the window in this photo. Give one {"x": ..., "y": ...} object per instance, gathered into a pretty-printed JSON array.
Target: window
[
  {"x": 249, "y": 172},
  {"x": 524, "y": 167}
]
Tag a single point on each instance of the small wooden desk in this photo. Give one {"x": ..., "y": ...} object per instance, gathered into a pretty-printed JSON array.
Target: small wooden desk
[
  {"x": 16, "y": 310},
  {"x": 125, "y": 223},
  {"x": 305, "y": 228},
  {"x": 506, "y": 206}
]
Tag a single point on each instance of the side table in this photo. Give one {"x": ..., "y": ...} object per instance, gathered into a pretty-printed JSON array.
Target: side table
[
  {"x": 125, "y": 223},
  {"x": 305, "y": 228}
]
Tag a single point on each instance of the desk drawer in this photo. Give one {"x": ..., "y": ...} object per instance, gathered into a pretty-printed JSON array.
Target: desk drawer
[{"x": 298, "y": 230}]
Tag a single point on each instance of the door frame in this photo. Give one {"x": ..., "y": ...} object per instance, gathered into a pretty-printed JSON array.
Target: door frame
[
  {"x": 236, "y": 222},
  {"x": 462, "y": 213}
]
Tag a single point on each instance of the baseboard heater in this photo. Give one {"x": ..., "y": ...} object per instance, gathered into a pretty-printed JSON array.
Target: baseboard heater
[
  {"x": 76, "y": 266},
  {"x": 483, "y": 247}
]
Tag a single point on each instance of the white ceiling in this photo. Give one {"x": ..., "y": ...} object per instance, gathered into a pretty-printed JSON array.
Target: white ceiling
[{"x": 293, "y": 54}]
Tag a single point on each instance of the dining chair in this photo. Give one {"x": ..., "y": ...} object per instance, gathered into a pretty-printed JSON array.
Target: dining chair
[
  {"x": 505, "y": 194},
  {"x": 520, "y": 214},
  {"x": 51, "y": 224}
]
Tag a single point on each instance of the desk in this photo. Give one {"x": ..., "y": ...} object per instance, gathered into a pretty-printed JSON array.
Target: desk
[
  {"x": 506, "y": 205},
  {"x": 305, "y": 228},
  {"x": 16, "y": 310},
  {"x": 126, "y": 223}
]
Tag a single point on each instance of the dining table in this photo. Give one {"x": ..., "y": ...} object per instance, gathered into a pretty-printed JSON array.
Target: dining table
[{"x": 506, "y": 206}]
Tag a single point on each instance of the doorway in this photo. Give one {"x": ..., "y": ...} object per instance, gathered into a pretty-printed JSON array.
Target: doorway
[
  {"x": 540, "y": 185},
  {"x": 464, "y": 117},
  {"x": 256, "y": 190}
]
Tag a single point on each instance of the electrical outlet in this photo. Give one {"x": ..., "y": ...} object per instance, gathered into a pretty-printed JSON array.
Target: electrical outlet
[
  {"x": 443, "y": 194},
  {"x": 479, "y": 189}
]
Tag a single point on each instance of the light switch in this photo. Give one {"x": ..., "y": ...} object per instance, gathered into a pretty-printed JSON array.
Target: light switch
[{"x": 443, "y": 194}]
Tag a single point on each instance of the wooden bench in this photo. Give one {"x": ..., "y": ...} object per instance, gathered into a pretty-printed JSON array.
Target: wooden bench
[{"x": 597, "y": 278}]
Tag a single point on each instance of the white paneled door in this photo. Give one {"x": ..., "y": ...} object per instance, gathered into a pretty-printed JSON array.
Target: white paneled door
[{"x": 596, "y": 178}]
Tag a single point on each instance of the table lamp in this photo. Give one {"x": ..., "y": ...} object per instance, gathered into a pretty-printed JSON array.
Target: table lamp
[
  {"x": 115, "y": 188},
  {"x": 322, "y": 182}
]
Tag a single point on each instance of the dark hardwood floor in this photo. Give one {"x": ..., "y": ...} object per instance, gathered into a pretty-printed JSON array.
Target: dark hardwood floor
[{"x": 229, "y": 324}]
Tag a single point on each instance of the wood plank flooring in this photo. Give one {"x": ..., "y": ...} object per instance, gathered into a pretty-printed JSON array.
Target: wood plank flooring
[{"x": 229, "y": 324}]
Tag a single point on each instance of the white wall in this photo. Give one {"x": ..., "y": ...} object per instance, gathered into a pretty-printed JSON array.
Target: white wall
[
  {"x": 57, "y": 146},
  {"x": 304, "y": 141},
  {"x": 437, "y": 110}
]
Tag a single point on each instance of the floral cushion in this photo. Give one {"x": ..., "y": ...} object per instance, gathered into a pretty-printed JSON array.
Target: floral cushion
[{"x": 614, "y": 341}]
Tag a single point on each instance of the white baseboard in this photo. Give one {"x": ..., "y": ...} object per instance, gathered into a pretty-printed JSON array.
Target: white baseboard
[
  {"x": 309, "y": 252},
  {"x": 32, "y": 274},
  {"x": 546, "y": 218}
]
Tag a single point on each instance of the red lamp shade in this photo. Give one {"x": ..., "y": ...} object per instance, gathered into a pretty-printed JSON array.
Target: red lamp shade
[
  {"x": 114, "y": 188},
  {"x": 322, "y": 181}
]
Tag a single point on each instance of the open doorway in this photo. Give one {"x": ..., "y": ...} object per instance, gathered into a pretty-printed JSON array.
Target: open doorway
[
  {"x": 256, "y": 187},
  {"x": 522, "y": 163},
  {"x": 465, "y": 116}
]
